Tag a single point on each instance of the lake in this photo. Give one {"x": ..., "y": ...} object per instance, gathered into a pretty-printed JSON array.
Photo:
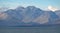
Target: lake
[{"x": 51, "y": 29}]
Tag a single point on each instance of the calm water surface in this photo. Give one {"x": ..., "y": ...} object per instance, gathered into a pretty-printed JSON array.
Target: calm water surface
[{"x": 30, "y": 29}]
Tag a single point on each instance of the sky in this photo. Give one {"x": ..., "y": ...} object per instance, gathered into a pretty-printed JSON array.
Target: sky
[{"x": 43, "y": 4}]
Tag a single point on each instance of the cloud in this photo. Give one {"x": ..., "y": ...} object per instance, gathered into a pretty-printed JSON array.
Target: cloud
[{"x": 52, "y": 8}]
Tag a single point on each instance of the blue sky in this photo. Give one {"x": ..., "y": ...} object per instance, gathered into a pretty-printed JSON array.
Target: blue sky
[{"x": 38, "y": 3}]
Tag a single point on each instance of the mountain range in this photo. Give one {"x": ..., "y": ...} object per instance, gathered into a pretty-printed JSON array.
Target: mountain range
[{"x": 29, "y": 16}]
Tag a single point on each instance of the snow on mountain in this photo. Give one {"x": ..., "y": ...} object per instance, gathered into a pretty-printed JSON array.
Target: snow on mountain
[
  {"x": 28, "y": 16},
  {"x": 2, "y": 9}
]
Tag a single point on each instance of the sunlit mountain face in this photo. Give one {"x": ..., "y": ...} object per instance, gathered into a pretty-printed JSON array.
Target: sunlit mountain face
[{"x": 29, "y": 16}]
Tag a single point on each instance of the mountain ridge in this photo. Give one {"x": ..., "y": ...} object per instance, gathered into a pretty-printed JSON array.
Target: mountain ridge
[{"x": 29, "y": 15}]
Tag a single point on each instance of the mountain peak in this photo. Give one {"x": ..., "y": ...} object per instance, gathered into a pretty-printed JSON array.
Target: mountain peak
[
  {"x": 31, "y": 7},
  {"x": 20, "y": 7},
  {"x": 3, "y": 9}
]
